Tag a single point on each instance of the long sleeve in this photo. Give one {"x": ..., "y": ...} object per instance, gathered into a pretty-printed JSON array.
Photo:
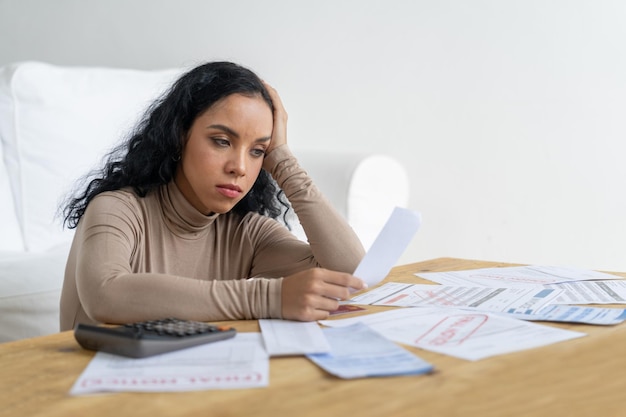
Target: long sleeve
[{"x": 333, "y": 242}]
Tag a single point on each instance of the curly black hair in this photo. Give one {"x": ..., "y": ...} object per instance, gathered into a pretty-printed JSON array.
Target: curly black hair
[{"x": 149, "y": 157}]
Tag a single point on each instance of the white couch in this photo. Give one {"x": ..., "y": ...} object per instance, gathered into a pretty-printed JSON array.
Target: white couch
[{"x": 56, "y": 124}]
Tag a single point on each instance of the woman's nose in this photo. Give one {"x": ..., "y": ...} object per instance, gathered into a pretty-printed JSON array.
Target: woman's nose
[{"x": 237, "y": 164}]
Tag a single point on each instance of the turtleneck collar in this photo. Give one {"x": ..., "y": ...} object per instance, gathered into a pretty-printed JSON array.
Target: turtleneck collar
[{"x": 181, "y": 217}]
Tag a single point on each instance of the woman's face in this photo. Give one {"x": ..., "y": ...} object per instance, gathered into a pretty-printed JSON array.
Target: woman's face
[{"x": 224, "y": 153}]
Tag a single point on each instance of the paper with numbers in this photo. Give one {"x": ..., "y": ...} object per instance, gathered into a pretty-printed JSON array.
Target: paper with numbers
[
  {"x": 506, "y": 300},
  {"x": 240, "y": 362}
]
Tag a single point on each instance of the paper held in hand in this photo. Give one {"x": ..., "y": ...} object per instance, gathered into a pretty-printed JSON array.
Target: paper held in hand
[{"x": 389, "y": 245}]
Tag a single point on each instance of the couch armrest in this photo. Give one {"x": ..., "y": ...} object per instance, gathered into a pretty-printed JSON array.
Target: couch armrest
[{"x": 364, "y": 188}]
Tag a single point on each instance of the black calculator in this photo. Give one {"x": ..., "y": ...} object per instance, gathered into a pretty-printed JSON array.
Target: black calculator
[{"x": 148, "y": 338}]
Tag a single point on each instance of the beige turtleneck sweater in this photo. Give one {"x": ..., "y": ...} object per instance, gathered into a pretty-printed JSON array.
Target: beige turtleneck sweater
[{"x": 135, "y": 259}]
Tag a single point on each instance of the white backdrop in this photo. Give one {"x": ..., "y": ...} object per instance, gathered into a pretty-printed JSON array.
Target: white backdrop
[{"x": 509, "y": 115}]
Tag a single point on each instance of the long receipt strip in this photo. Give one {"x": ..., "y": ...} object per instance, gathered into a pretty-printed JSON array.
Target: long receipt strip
[{"x": 389, "y": 245}]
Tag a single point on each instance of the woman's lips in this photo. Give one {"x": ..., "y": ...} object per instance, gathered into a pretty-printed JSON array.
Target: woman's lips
[{"x": 229, "y": 190}]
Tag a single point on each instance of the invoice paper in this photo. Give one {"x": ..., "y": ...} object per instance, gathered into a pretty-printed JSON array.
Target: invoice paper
[
  {"x": 575, "y": 314},
  {"x": 591, "y": 292},
  {"x": 510, "y": 300},
  {"x": 240, "y": 362},
  {"x": 464, "y": 334}
]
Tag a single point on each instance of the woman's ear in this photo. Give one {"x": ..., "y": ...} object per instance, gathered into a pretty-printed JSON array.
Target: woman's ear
[{"x": 181, "y": 146}]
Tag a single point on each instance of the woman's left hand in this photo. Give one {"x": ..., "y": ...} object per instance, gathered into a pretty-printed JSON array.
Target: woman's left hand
[{"x": 279, "y": 132}]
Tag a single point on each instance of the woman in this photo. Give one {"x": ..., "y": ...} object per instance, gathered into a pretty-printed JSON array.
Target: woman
[{"x": 180, "y": 222}]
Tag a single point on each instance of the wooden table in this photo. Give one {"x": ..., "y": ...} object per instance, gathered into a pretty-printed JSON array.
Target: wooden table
[{"x": 580, "y": 377}]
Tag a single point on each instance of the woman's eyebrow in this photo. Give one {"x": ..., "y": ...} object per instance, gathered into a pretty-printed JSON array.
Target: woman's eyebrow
[
  {"x": 234, "y": 134},
  {"x": 225, "y": 129}
]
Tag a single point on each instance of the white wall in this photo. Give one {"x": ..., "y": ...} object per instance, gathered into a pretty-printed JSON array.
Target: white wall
[{"x": 510, "y": 115}]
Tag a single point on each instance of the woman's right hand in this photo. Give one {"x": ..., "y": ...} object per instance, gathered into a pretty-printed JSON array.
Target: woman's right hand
[
  {"x": 312, "y": 294},
  {"x": 279, "y": 132}
]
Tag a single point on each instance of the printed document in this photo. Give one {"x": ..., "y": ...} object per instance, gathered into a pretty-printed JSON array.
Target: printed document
[
  {"x": 461, "y": 333},
  {"x": 358, "y": 351},
  {"x": 510, "y": 300},
  {"x": 240, "y": 362},
  {"x": 575, "y": 314},
  {"x": 591, "y": 292}
]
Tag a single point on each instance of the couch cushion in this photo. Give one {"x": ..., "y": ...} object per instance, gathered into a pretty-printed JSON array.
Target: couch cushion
[{"x": 56, "y": 124}]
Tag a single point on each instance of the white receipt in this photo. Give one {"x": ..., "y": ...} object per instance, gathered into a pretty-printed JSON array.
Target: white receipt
[
  {"x": 284, "y": 337},
  {"x": 389, "y": 245}
]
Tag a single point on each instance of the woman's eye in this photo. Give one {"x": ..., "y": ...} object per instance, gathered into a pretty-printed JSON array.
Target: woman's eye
[
  {"x": 221, "y": 142},
  {"x": 258, "y": 153}
]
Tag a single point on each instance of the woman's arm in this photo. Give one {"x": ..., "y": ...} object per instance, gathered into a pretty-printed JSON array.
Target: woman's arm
[
  {"x": 333, "y": 242},
  {"x": 115, "y": 274},
  {"x": 313, "y": 293}
]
